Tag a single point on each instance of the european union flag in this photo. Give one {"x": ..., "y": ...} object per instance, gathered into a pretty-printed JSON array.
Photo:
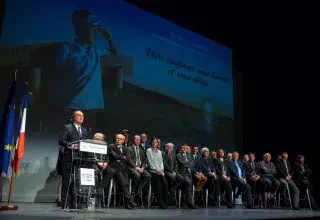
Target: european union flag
[{"x": 6, "y": 130}]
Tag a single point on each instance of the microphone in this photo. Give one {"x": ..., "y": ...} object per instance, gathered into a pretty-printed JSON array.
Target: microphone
[{"x": 89, "y": 127}]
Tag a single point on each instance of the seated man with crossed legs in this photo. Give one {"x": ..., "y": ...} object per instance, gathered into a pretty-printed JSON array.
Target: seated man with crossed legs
[
  {"x": 139, "y": 175},
  {"x": 171, "y": 170},
  {"x": 238, "y": 179}
]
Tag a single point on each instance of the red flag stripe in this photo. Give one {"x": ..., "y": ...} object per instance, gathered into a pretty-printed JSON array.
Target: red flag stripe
[{"x": 19, "y": 152}]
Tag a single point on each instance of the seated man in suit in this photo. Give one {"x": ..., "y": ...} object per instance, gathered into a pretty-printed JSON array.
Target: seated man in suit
[
  {"x": 301, "y": 173},
  {"x": 195, "y": 153},
  {"x": 253, "y": 175},
  {"x": 205, "y": 165},
  {"x": 70, "y": 133},
  {"x": 119, "y": 158},
  {"x": 171, "y": 169},
  {"x": 184, "y": 168},
  {"x": 238, "y": 179},
  {"x": 145, "y": 143},
  {"x": 103, "y": 162},
  {"x": 139, "y": 175},
  {"x": 285, "y": 178}
]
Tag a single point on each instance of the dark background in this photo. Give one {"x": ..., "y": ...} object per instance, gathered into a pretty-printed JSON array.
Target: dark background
[{"x": 275, "y": 69}]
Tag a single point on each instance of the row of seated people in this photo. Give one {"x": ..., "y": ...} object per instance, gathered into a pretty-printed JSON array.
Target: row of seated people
[
  {"x": 188, "y": 171},
  {"x": 265, "y": 177}
]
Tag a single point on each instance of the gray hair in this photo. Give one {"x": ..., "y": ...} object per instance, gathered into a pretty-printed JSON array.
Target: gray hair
[
  {"x": 167, "y": 144},
  {"x": 204, "y": 149},
  {"x": 98, "y": 134}
]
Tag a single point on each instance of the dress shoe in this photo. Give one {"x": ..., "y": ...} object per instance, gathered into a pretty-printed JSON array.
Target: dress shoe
[
  {"x": 128, "y": 206},
  {"x": 132, "y": 204}
]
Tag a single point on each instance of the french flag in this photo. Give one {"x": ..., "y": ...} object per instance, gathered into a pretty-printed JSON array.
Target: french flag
[{"x": 19, "y": 150}]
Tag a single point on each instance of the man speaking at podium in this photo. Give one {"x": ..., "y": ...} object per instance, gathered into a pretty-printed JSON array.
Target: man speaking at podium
[{"x": 70, "y": 133}]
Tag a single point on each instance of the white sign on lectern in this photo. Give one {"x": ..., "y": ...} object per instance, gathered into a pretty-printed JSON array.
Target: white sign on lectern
[
  {"x": 93, "y": 147},
  {"x": 87, "y": 177}
]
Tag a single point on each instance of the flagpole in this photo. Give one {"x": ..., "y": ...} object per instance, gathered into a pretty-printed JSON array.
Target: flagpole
[{"x": 10, "y": 188}]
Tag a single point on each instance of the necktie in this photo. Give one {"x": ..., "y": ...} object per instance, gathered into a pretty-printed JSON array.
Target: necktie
[
  {"x": 138, "y": 163},
  {"x": 285, "y": 164},
  {"x": 170, "y": 161},
  {"x": 208, "y": 165},
  {"x": 120, "y": 148},
  {"x": 253, "y": 168},
  {"x": 302, "y": 168},
  {"x": 80, "y": 133},
  {"x": 194, "y": 157},
  {"x": 186, "y": 159}
]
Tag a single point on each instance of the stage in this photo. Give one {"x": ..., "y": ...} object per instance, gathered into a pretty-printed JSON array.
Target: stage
[{"x": 37, "y": 211}]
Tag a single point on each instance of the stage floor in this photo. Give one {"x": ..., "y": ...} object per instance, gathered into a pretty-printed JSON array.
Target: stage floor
[{"x": 35, "y": 211}]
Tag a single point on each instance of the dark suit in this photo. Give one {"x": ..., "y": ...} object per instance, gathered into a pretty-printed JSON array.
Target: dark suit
[
  {"x": 206, "y": 166},
  {"x": 284, "y": 170},
  {"x": 120, "y": 162},
  {"x": 300, "y": 176},
  {"x": 146, "y": 145},
  {"x": 186, "y": 167},
  {"x": 252, "y": 169},
  {"x": 140, "y": 179},
  {"x": 170, "y": 166},
  {"x": 194, "y": 158},
  {"x": 236, "y": 173},
  {"x": 68, "y": 135},
  {"x": 223, "y": 169}
]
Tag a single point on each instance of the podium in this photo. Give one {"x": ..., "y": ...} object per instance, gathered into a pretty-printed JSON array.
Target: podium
[{"x": 85, "y": 175}]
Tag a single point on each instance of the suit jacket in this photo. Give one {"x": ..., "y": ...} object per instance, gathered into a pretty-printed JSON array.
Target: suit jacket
[
  {"x": 133, "y": 158},
  {"x": 219, "y": 166},
  {"x": 234, "y": 169},
  {"x": 195, "y": 160},
  {"x": 281, "y": 169},
  {"x": 170, "y": 166},
  {"x": 298, "y": 173},
  {"x": 127, "y": 144},
  {"x": 119, "y": 161},
  {"x": 68, "y": 135},
  {"x": 205, "y": 165},
  {"x": 146, "y": 146},
  {"x": 184, "y": 165},
  {"x": 251, "y": 170}
]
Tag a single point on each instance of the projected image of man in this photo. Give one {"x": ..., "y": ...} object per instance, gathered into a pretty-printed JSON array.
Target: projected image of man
[{"x": 77, "y": 80}]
